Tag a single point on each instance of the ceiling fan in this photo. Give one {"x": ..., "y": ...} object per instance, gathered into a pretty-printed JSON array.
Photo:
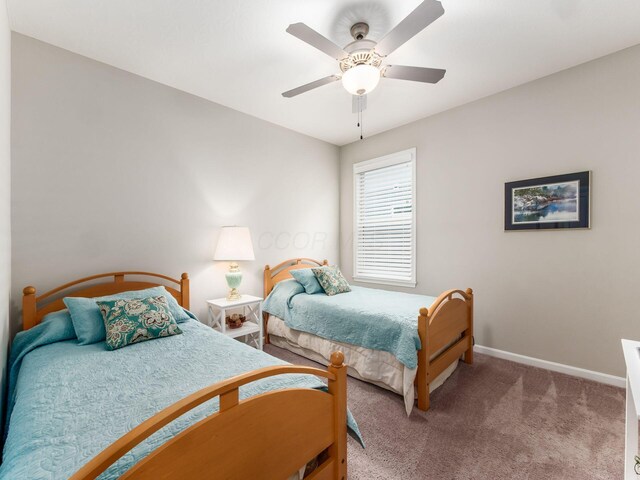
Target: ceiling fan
[{"x": 361, "y": 61}]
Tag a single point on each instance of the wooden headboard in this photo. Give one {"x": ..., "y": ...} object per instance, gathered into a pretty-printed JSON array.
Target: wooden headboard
[
  {"x": 32, "y": 313},
  {"x": 283, "y": 271}
]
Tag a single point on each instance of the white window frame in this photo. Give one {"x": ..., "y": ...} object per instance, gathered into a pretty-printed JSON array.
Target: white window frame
[{"x": 405, "y": 156}]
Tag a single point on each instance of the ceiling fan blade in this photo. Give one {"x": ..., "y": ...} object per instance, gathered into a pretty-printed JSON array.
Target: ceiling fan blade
[
  {"x": 310, "y": 86},
  {"x": 415, "y": 74},
  {"x": 313, "y": 38},
  {"x": 425, "y": 14}
]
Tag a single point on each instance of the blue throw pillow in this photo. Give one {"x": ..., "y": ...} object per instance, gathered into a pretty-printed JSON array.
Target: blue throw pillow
[
  {"x": 87, "y": 319},
  {"x": 308, "y": 280}
]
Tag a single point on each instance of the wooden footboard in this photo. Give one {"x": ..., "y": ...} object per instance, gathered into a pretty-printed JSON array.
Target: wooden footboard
[
  {"x": 448, "y": 322},
  {"x": 268, "y": 436}
]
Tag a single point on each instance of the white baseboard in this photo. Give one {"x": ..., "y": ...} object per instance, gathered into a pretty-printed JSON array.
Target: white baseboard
[{"x": 553, "y": 366}]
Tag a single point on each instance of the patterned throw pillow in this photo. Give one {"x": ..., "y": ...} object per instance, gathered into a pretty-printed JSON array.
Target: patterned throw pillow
[
  {"x": 331, "y": 280},
  {"x": 135, "y": 320}
]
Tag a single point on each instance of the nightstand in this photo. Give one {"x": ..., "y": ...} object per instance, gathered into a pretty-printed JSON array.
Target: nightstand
[{"x": 251, "y": 329}]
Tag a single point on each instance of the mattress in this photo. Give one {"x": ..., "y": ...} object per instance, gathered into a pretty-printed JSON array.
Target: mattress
[{"x": 374, "y": 366}]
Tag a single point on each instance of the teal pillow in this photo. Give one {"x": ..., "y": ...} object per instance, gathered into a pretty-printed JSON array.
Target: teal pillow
[
  {"x": 137, "y": 320},
  {"x": 331, "y": 280},
  {"x": 308, "y": 280},
  {"x": 276, "y": 301},
  {"x": 88, "y": 322}
]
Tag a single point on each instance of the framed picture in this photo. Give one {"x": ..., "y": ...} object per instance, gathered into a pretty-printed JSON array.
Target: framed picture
[{"x": 561, "y": 201}]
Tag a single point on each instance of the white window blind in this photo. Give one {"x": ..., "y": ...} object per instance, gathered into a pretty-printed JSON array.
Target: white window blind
[{"x": 384, "y": 219}]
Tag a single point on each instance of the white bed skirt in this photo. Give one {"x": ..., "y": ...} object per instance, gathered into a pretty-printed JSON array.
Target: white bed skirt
[{"x": 373, "y": 366}]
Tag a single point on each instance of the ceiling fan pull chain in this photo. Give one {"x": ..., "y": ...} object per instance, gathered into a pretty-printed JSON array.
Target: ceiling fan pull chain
[{"x": 361, "y": 118}]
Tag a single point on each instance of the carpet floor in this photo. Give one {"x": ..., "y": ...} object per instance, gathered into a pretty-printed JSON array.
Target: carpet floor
[{"x": 491, "y": 420}]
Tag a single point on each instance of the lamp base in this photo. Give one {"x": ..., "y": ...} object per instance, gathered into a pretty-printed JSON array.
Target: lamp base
[
  {"x": 234, "y": 279},
  {"x": 234, "y": 295}
]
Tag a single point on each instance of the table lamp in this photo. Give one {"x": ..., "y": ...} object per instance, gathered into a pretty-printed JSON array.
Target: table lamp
[{"x": 234, "y": 245}]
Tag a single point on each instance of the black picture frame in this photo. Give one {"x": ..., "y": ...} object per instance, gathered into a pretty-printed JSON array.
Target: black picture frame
[{"x": 558, "y": 201}]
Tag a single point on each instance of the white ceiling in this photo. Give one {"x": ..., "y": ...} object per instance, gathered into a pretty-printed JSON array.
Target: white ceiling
[{"x": 237, "y": 53}]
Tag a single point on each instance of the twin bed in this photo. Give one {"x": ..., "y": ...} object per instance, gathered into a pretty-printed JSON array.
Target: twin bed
[
  {"x": 199, "y": 401},
  {"x": 174, "y": 407},
  {"x": 406, "y": 343}
]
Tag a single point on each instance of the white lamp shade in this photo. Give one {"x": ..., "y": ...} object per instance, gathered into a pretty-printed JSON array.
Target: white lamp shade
[
  {"x": 234, "y": 244},
  {"x": 361, "y": 79}
]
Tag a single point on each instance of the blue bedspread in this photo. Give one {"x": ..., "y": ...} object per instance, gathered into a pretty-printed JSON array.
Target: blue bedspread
[
  {"x": 370, "y": 318},
  {"x": 69, "y": 402}
]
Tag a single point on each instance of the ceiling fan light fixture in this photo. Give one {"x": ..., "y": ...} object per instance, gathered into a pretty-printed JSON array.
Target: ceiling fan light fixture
[{"x": 361, "y": 79}]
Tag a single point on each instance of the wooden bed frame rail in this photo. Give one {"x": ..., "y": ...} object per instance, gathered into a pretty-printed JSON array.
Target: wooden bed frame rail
[
  {"x": 445, "y": 327},
  {"x": 32, "y": 314},
  {"x": 280, "y": 431}
]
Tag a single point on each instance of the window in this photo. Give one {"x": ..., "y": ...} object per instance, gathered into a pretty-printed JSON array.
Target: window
[{"x": 384, "y": 246}]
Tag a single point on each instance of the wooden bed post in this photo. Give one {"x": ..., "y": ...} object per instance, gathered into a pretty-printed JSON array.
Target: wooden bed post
[
  {"x": 468, "y": 356},
  {"x": 422, "y": 377},
  {"x": 268, "y": 286},
  {"x": 338, "y": 388},
  {"x": 184, "y": 290},
  {"x": 29, "y": 308}
]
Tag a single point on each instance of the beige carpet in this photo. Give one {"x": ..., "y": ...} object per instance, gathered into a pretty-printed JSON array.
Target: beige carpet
[{"x": 492, "y": 420}]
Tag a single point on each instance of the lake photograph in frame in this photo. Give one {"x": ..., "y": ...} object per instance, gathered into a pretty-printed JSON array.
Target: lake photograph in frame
[
  {"x": 560, "y": 201},
  {"x": 555, "y": 202}
]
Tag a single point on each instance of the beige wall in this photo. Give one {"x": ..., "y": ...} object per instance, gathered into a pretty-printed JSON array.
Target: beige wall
[
  {"x": 563, "y": 296},
  {"x": 112, "y": 171},
  {"x": 5, "y": 193}
]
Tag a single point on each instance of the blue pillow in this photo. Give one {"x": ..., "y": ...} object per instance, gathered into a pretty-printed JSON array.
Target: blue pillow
[
  {"x": 277, "y": 301},
  {"x": 87, "y": 319},
  {"x": 308, "y": 280}
]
